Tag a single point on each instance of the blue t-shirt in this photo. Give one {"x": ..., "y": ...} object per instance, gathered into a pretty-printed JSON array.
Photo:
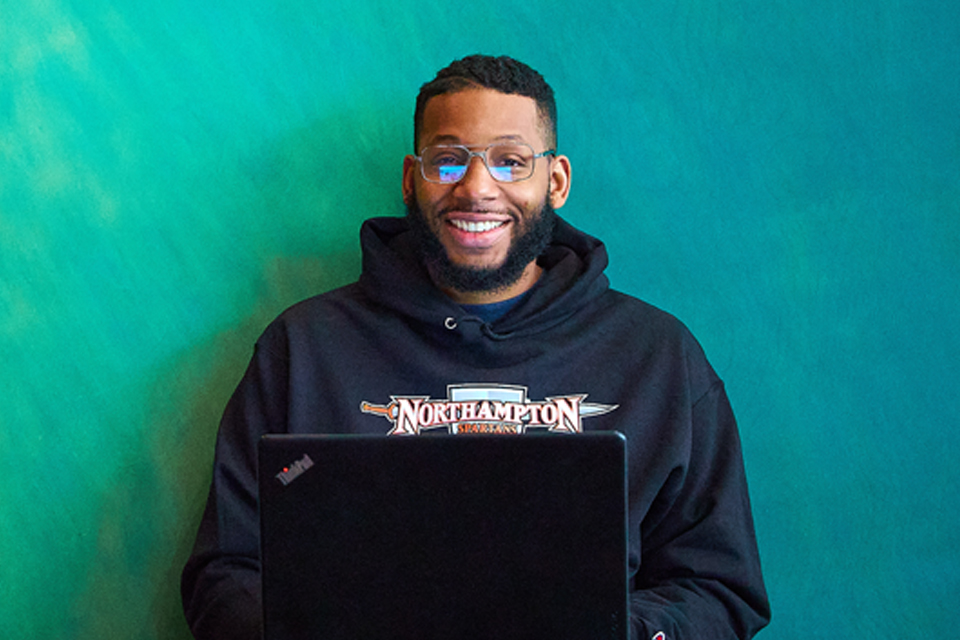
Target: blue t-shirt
[{"x": 494, "y": 310}]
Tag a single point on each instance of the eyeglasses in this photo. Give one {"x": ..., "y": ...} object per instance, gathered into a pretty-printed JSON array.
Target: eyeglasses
[{"x": 506, "y": 162}]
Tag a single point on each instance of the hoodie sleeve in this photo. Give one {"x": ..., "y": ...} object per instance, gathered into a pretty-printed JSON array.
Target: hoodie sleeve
[
  {"x": 220, "y": 584},
  {"x": 699, "y": 578}
]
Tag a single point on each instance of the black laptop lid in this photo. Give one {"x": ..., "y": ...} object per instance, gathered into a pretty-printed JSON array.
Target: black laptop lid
[{"x": 444, "y": 537}]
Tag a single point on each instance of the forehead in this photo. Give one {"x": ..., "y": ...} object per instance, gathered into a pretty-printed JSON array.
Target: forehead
[{"x": 480, "y": 116}]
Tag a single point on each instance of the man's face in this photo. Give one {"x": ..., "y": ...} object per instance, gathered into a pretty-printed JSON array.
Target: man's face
[{"x": 478, "y": 220}]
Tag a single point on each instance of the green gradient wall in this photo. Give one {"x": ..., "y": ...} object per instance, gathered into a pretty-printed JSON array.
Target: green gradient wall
[{"x": 784, "y": 176}]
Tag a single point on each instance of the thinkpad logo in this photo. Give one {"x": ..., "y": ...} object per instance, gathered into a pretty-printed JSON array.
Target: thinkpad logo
[
  {"x": 485, "y": 408},
  {"x": 295, "y": 470}
]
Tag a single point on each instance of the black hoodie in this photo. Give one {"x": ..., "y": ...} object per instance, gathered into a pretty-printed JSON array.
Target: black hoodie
[{"x": 336, "y": 362}]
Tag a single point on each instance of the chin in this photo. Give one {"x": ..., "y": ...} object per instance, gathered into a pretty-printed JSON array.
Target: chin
[{"x": 475, "y": 263}]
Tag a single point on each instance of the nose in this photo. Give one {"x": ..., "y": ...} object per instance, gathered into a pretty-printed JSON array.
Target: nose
[{"x": 477, "y": 183}]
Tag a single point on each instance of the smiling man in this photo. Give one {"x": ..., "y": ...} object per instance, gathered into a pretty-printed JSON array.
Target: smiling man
[{"x": 482, "y": 287}]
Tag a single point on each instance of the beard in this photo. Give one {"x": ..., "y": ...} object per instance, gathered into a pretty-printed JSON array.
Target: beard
[{"x": 532, "y": 238}]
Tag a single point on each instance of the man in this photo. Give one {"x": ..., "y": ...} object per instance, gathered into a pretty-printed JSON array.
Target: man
[{"x": 483, "y": 284}]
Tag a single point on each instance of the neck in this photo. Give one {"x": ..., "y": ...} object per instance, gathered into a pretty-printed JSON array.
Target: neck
[{"x": 526, "y": 280}]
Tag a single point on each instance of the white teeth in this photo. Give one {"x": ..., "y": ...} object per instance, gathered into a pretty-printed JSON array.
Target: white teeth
[{"x": 476, "y": 227}]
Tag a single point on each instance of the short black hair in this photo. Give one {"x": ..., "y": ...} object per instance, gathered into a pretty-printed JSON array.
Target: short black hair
[{"x": 501, "y": 73}]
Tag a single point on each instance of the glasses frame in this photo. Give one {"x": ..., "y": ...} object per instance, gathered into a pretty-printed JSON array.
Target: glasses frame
[{"x": 483, "y": 156}]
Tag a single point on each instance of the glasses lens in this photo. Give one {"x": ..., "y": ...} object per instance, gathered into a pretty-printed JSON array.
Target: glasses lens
[
  {"x": 510, "y": 162},
  {"x": 444, "y": 164}
]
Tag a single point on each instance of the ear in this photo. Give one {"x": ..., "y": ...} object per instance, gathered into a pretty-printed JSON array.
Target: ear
[
  {"x": 409, "y": 179},
  {"x": 559, "y": 181}
]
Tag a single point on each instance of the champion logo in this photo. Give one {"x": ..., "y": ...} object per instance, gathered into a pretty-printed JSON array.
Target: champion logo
[
  {"x": 295, "y": 470},
  {"x": 485, "y": 408},
  {"x": 659, "y": 636}
]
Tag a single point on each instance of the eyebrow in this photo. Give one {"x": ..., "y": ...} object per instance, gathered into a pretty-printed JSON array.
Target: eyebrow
[{"x": 451, "y": 139}]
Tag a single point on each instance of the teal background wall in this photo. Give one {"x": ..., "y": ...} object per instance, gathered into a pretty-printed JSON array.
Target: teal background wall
[{"x": 783, "y": 176}]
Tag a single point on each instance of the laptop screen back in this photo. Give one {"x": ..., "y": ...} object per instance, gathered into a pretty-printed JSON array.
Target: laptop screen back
[{"x": 444, "y": 537}]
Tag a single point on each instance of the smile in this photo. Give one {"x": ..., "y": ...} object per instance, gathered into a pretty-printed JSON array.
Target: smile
[{"x": 477, "y": 227}]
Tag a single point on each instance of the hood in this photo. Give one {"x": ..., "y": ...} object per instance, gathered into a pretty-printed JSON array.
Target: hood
[{"x": 394, "y": 276}]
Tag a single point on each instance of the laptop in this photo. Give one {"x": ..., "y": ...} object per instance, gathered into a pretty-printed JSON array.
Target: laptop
[{"x": 444, "y": 537}]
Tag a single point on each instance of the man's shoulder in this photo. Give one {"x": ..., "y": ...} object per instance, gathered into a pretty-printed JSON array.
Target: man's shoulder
[
  {"x": 664, "y": 333},
  {"x": 649, "y": 328},
  {"x": 631, "y": 309},
  {"x": 324, "y": 310},
  {"x": 326, "y": 302}
]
